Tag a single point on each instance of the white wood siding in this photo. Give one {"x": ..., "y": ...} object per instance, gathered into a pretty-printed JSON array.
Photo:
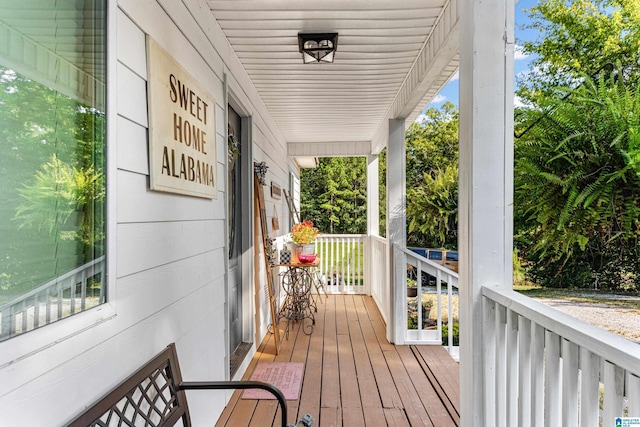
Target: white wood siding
[{"x": 170, "y": 250}]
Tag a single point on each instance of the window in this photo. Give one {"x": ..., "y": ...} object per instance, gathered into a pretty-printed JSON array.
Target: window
[{"x": 52, "y": 161}]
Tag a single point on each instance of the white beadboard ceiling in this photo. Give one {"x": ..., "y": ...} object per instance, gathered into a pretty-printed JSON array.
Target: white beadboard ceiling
[{"x": 392, "y": 59}]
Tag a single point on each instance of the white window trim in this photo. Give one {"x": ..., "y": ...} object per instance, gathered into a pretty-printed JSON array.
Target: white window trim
[{"x": 32, "y": 342}]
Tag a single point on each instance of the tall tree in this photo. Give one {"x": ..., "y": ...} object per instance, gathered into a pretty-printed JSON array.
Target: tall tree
[
  {"x": 579, "y": 37},
  {"x": 334, "y": 195},
  {"x": 576, "y": 208},
  {"x": 432, "y": 179},
  {"x": 432, "y": 209},
  {"x": 432, "y": 143}
]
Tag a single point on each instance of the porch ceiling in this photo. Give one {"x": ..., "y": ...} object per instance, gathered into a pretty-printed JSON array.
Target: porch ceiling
[{"x": 392, "y": 59}]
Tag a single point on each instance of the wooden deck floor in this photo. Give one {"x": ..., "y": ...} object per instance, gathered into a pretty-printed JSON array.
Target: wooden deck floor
[{"x": 354, "y": 377}]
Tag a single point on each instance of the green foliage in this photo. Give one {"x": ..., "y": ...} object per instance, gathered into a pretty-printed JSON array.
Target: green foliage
[
  {"x": 576, "y": 187},
  {"x": 382, "y": 191},
  {"x": 334, "y": 195},
  {"x": 579, "y": 37},
  {"x": 576, "y": 172},
  {"x": 58, "y": 192},
  {"x": 432, "y": 179},
  {"x": 432, "y": 208},
  {"x": 432, "y": 144},
  {"x": 456, "y": 334},
  {"x": 52, "y": 184}
]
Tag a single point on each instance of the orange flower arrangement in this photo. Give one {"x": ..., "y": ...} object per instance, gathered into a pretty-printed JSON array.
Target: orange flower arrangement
[{"x": 304, "y": 233}]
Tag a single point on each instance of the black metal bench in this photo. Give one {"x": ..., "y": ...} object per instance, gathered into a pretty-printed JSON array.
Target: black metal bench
[{"x": 155, "y": 396}]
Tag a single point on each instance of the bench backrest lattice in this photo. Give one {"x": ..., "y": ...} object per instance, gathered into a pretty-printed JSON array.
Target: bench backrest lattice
[
  {"x": 148, "y": 397},
  {"x": 154, "y": 396}
]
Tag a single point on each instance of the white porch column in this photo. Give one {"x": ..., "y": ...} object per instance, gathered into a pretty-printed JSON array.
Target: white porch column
[
  {"x": 486, "y": 187},
  {"x": 373, "y": 196},
  {"x": 373, "y": 216},
  {"x": 396, "y": 223}
]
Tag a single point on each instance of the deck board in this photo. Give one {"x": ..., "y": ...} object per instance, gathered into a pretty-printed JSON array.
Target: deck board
[
  {"x": 353, "y": 376},
  {"x": 309, "y": 402},
  {"x": 386, "y": 388},
  {"x": 370, "y": 399}
]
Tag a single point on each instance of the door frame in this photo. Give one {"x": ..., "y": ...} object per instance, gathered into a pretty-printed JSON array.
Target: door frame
[{"x": 246, "y": 241}]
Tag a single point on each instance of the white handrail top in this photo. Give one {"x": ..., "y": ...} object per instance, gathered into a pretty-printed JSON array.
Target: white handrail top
[
  {"x": 620, "y": 351},
  {"x": 429, "y": 262},
  {"x": 328, "y": 236}
]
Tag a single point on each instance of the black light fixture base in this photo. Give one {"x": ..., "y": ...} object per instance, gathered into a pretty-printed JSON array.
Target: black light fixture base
[{"x": 317, "y": 47}]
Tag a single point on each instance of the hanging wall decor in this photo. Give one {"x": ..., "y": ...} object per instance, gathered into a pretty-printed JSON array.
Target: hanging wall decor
[
  {"x": 182, "y": 128},
  {"x": 275, "y": 224},
  {"x": 276, "y": 191}
]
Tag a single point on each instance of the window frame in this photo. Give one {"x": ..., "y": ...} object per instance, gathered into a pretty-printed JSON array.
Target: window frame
[{"x": 34, "y": 341}]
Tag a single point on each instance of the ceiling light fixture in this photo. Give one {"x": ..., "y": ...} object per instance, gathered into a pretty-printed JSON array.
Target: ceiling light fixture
[{"x": 317, "y": 47}]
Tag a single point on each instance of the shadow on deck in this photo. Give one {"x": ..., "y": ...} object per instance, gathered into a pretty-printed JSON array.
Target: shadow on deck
[{"x": 353, "y": 376}]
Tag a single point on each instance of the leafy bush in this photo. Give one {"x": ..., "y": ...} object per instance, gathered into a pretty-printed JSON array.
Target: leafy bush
[
  {"x": 577, "y": 178},
  {"x": 456, "y": 334}
]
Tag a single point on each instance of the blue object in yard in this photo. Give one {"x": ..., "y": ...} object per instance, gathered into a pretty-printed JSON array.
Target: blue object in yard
[
  {"x": 436, "y": 254},
  {"x": 419, "y": 251}
]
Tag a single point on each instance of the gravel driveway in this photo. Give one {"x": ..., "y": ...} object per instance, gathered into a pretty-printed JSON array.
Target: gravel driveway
[{"x": 619, "y": 320}]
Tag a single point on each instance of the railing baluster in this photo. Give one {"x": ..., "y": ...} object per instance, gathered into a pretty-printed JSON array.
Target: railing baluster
[
  {"x": 524, "y": 372},
  {"x": 356, "y": 265},
  {"x": 23, "y": 311},
  {"x": 569, "y": 383},
  {"x": 438, "y": 299},
  {"x": 332, "y": 269},
  {"x": 449, "y": 314},
  {"x": 552, "y": 384},
  {"x": 361, "y": 256},
  {"x": 13, "y": 323},
  {"x": 48, "y": 306},
  {"x": 512, "y": 368},
  {"x": 613, "y": 392},
  {"x": 36, "y": 311},
  {"x": 342, "y": 269},
  {"x": 633, "y": 394},
  {"x": 537, "y": 374},
  {"x": 589, "y": 388},
  {"x": 60, "y": 295},
  {"x": 348, "y": 260},
  {"x": 72, "y": 295},
  {"x": 321, "y": 267},
  {"x": 490, "y": 362},
  {"x": 83, "y": 290},
  {"x": 5, "y": 318},
  {"x": 420, "y": 321},
  {"x": 501, "y": 366}
]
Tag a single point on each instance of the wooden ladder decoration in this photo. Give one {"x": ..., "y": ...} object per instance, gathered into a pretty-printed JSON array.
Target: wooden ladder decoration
[
  {"x": 293, "y": 213},
  {"x": 259, "y": 173}
]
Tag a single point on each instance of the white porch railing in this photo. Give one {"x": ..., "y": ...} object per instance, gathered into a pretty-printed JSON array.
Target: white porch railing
[
  {"x": 342, "y": 262},
  {"x": 58, "y": 298},
  {"x": 378, "y": 278},
  {"x": 544, "y": 367},
  {"x": 430, "y": 279}
]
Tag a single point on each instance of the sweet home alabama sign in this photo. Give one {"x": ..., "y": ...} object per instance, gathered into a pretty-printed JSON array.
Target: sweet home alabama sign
[{"x": 182, "y": 133}]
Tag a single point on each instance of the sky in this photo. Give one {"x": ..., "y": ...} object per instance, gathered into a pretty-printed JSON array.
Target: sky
[{"x": 522, "y": 63}]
